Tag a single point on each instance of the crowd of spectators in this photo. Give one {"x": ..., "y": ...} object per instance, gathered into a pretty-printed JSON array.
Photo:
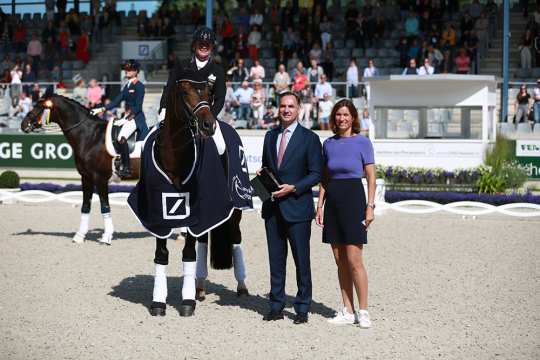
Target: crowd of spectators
[{"x": 529, "y": 44}]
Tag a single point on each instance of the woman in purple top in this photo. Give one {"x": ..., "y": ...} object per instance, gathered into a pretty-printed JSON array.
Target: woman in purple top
[{"x": 342, "y": 210}]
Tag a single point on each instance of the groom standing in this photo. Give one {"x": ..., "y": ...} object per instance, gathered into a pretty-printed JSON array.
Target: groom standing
[{"x": 294, "y": 154}]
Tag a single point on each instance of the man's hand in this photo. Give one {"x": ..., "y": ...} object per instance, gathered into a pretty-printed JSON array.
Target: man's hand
[
  {"x": 284, "y": 190},
  {"x": 97, "y": 111}
]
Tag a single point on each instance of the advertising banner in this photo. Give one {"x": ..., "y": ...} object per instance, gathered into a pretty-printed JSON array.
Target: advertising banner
[
  {"x": 35, "y": 151},
  {"x": 528, "y": 155}
]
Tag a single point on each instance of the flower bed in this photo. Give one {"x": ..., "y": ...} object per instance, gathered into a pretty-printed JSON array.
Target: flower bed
[{"x": 445, "y": 197}]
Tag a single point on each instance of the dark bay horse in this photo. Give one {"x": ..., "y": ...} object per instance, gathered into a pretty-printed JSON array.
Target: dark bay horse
[{"x": 86, "y": 135}]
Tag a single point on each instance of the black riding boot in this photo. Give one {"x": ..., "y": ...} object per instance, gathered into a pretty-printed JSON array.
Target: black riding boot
[{"x": 125, "y": 170}]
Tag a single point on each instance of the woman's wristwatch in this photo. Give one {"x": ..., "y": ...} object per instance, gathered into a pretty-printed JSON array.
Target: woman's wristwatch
[{"x": 371, "y": 205}]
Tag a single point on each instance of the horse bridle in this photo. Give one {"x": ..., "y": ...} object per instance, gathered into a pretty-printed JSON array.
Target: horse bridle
[
  {"x": 36, "y": 113},
  {"x": 192, "y": 113}
]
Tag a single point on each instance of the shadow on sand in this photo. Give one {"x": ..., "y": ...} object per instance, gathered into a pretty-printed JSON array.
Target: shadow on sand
[
  {"x": 138, "y": 289},
  {"x": 92, "y": 235}
]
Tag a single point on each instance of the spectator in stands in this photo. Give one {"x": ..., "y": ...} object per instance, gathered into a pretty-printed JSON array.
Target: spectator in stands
[
  {"x": 50, "y": 54},
  {"x": 34, "y": 50},
  {"x": 19, "y": 38},
  {"x": 536, "y": 16},
  {"x": 243, "y": 96},
  {"x": 536, "y": 102},
  {"x": 242, "y": 19},
  {"x": 360, "y": 31},
  {"x": 6, "y": 77},
  {"x": 537, "y": 48},
  {"x": 370, "y": 71},
  {"x": 49, "y": 30},
  {"x": 231, "y": 102},
  {"x": 79, "y": 92},
  {"x": 314, "y": 72},
  {"x": 94, "y": 94},
  {"x": 61, "y": 6},
  {"x": 282, "y": 80},
  {"x": 351, "y": 24},
  {"x": 82, "y": 51},
  {"x": 240, "y": 42},
  {"x": 414, "y": 50},
  {"x": 16, "y": 79},
  {"x": 449, "y": 38},
  {"x": 256, "y": 17},
  {"x": 292, "y": 63},
  {"x": 325, "y": 27},
  {"x": 328, "y": 66},
  {"x": 22, "y": 107},
  {"x": 35, "y": 94},
  {"x": 63, "y": 38},
  {"x": 55, "y": 74},
  {"x": 411, "y": 69},
  {"x": 28, "y": 76},
  {"x": 435, "y": 58},
  {"x": 352, "y": 78},
  {"x": 300, "y": 80},
  {"x": 365, "y": 122},
  {"x": 277, "y": 41},
  {"x": 481, "y": 27},
  {"x": 323, "y": 87},
  {"x": 426, "y": 69},
  {"x": 425, "y": 22},
  {"x": 227, "y": 35},
  {"x": 522, "y": 105},
  {"x": 524, "y": 5},
  {"x": 254, "y": 42},
  {"x": 471, "y": 45},
  {"x": 6, "y": 64},
  {"x": 325, "y": 109},
  {"x": 306, "y": 100},
  {"x": 315, "y": 53},
  {"x": 462, "y": 62},
  {"x": 525, "y": 50},
  {"x": 270, "y": 119},
  {"x": 239, "y": 72},
  {"x": 412, "y": 26},
  {"x": 289, "y": 41},
  {"x": 257, "y": 71},
  {"x": 403, "y": 49},
  {"x": 258, "y": 101}
]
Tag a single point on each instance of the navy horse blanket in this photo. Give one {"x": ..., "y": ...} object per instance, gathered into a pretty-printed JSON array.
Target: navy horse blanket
[{"x": 204, "y": 200}]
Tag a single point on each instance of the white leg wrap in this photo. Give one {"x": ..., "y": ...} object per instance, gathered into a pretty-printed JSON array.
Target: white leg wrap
[
  {"x": 188, "y": 289},
  {"x": 202, "y": 267},
  {"x": 109, "y": 229},
  {"x": 218, "y": 140},
  {"x": 239, "y": 265},
  {"x": 83, "y": 229},
  {"x": 160, "y": 284}
]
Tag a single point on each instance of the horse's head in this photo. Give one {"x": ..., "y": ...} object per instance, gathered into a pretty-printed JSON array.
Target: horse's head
[
  {"x": 195, "y": 97},
  {"x": 33, "y": 119}
]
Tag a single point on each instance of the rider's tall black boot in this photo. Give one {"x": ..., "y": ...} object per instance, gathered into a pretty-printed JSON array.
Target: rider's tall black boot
[{"x": 125, "y": 170}]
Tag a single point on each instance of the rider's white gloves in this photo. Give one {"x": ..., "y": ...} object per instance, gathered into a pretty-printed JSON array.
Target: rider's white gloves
[{"x": 97, "y": 111}]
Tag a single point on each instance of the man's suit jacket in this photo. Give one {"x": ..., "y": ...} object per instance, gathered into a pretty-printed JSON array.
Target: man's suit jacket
[{"x": 301, "y": 166}]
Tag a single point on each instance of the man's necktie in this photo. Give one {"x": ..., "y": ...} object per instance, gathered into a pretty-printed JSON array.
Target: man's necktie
[{"x": 282, "y": 147}]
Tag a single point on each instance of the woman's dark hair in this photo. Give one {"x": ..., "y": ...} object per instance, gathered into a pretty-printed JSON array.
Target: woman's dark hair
[{"x": 354, "y": 114}]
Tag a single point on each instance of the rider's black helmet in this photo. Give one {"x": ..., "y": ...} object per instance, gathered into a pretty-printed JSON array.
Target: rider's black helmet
[
  {"x": 204, "y": 34},
  {"x": 131, "y": 65}
]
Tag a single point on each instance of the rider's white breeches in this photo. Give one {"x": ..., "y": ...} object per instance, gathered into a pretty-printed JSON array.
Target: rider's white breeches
[{"x": 128, "y": 128}]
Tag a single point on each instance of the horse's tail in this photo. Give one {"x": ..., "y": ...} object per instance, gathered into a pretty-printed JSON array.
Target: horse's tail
[{"x": 222, "y": 239}]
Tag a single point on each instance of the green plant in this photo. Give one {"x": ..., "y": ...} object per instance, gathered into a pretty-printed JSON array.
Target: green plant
[
  {"x": 500, "y": 153},
  {"x": 9, "y": 179},
  {"x": 513, "y": 174},
  {"x": 490, "y": 183}
]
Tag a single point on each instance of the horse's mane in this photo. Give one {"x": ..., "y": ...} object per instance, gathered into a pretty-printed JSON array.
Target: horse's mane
[{"x": 78, "y": 106}]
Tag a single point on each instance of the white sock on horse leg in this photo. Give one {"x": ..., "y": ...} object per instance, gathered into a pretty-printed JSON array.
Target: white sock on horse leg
[
  {"x": 239, "y": 265},
  {"x": 83, "y": 226},
  {"x": 188, "y": 289},
  {"x": 107, "y": 220},
  {"x": 202, "y": 261},
  {"x": 160, "y": 284}
]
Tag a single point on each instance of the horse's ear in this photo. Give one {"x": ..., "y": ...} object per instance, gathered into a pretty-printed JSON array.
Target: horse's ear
[{"x": 49, "y": 92}]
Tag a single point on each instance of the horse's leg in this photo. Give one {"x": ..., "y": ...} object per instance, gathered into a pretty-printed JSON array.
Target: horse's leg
[
  {"x": 238, "y": 255},
  {"x": 88, "y": 189},
  {"x": 202, "y": 267},
  {"x": 161, "y": 260},
  {"x": 103, "y": 191},
  {"x": 189, "y": 257}
]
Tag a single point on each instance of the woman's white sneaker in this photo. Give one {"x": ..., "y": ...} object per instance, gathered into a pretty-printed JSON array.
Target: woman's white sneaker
[
  {"x": 343, "y": 318},
  {"x": 363, "y": 319}
]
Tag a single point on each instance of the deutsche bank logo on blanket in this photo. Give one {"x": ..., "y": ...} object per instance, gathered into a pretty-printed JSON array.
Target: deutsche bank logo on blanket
[{"x": 175, "y": 205}]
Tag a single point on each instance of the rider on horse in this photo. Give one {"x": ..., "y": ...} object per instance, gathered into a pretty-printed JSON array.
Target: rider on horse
[{"x": 133, "y": 95}]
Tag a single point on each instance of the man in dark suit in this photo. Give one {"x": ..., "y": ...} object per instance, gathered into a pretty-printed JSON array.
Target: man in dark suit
[{"x": 294, "y": 154}]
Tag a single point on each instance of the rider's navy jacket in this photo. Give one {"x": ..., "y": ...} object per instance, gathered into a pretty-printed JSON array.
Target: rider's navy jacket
[
  {"x": 203, "y": 201},
  {"x": 211, "y": 73},
  {"x": 133, "y": 95}
]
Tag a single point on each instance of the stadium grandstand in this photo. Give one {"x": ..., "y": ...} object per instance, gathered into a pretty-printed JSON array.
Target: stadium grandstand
[{"x": 324, "y": 46}]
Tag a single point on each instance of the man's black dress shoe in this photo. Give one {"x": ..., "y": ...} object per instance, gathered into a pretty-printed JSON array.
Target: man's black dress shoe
[
  {"x": 300, "y": 318},
  {"x": 273, "y": 315}
]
